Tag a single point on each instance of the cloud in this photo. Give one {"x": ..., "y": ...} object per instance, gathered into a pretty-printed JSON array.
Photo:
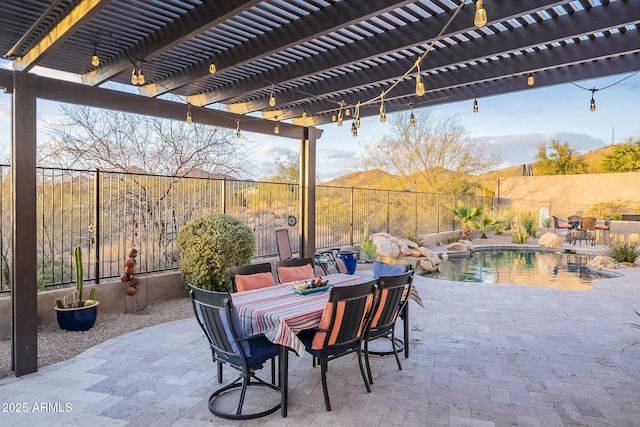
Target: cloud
[{"x": 522, "y": 148}]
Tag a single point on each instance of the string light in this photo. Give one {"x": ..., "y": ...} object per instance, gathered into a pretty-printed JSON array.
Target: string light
[
  {"x": 383, "y": 112},
  {"x": 140, "y": 76},
  {"x": 419, "y": 82},
  {"x": 356, "y": 117},
  {"x": 189, "y": 119},
  {"x": 530, "y": 80},
  {"x": 272, "y": 97},
  {"x": 212, "y": 68},
  {"x": 95, "y": 59},
  {"x": 134, "y": 76},
  {"x": 412, "y": 118},
  {"x": 354, "y": 129},
  {"x": 480, "y": 19},
  {"x": 237, "y": 128},
  {"x": 276, "y": 128},
  {"x": 475, "y": 105},
  {"x": 592, "y": 105},
  {"x": 340, "y": 118}
]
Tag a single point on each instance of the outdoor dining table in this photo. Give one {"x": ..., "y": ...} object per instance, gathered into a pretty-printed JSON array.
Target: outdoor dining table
[{"x": 280, "y": 314}]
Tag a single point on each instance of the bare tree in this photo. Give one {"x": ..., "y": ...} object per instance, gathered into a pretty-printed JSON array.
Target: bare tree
[
  {"x": 89, "y": 138},
  {"x": 436, "y": 154}
]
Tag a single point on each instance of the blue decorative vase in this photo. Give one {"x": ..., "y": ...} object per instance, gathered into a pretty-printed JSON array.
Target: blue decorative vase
[
  {"x": 350, "y": 260},
  {"x": 77, "y": 319}
]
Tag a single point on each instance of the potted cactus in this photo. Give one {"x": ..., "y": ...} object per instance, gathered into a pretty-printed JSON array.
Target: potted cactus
[{"x": 76, "y": 314}]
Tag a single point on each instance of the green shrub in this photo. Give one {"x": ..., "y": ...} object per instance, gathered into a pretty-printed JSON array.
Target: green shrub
[
  {"x": 528, "y": 221},
  {"x": 208, "y": 246},
  {"x": 624, "y": 251},
  {"x": 519, "y": 235},
  {"x": 502, "y": 218}
]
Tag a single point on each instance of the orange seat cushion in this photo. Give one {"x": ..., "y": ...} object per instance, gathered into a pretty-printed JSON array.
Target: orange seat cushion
[
  {"x": 602, "y": 227},
  {"x": 254, "y": 281},
  {"x": 291, "y": 274}
]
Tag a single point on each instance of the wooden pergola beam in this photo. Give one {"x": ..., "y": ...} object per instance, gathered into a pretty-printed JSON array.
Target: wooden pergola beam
[{"x": 84, "y": 11}]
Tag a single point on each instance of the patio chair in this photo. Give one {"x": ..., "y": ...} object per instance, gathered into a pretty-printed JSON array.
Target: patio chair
[
  {"x": 344, "y": 322},
  {"x": 605, "y": 229},
  {"x": 295, "y": 269},
  {"x": 587, "y": 230},
  {"x": 216, "y": 315},
  {"x": 561, "y": 227},
  {"x": 381, "y": 269},
  {"x": 391, "y": 298},
  {"x": 284, "y": 247},
  {"x": 247, "y": 277}
]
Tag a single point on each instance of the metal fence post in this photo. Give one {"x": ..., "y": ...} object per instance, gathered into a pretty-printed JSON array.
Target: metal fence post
[
  {"x": 96, "y": 225},
  {"x": 223, "y": 193},
  {"x": 352, "y": 217},
  {"x": 388, "y": 213}
]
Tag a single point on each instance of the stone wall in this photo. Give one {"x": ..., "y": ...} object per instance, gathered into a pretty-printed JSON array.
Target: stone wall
[{"x": 574, "y": 189}]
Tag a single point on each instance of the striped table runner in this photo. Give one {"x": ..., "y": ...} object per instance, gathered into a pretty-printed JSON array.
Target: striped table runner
[{"x": 280, "y": 314}]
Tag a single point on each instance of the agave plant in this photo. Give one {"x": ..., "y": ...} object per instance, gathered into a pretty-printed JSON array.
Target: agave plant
[{"x": 466, "y": 215}]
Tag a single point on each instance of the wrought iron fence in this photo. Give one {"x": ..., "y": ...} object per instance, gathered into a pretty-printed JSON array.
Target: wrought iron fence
[{"x": 108, "y": 213}]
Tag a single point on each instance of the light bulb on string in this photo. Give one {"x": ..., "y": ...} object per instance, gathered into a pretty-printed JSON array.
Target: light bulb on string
[
  {"x": 412, "y": 117},
  {"x": 189, "y": 119},
  {"x": 480, "y": 19},
  {"x": 592, "y": 106},
  {"x": 383, "y": 111},
  {"x": 347, "y": 112},
  {"x": 276, "y": 128},
  {"x": 95, "y": 59},
  {"x": 354, "y": 129},
  {"x": 212, "y": 68},
  {"x": 237, "y": 128},
  {"x": 475, "y": 105},
  {"x": 340, "y": 118},
  {"x": 419, "y": 86},
  {"x": 272, "y": 97},
  {"x": 356, "y": 117},
  {"x": 140, "y": 76},
  {"x": 134, "y": 76},
  {"x": 530, "y": 80}
]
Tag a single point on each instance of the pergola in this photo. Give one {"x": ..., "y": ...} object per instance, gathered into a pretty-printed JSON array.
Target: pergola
[{"x": 258, "y": 65}]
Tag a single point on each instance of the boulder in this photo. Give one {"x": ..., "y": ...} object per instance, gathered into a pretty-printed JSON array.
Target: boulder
[
  {"x": 550, "y": 240},
  {"x": 603, "y": 262},
  {"x": 393, "y": 249},
  {"x": 460, "y": 246}
]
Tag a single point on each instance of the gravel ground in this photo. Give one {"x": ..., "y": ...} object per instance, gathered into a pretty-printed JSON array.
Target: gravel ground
[{"x": 56, "y": 345}]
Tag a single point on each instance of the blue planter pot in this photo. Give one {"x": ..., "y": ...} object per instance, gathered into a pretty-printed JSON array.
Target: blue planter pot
[
  {"x": 350, "y": 260},
  {"x": 77, "y": 319}
]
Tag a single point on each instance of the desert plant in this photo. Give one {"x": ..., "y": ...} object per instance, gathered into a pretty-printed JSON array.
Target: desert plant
[
  {"x": 412, "y": 235},
  {"x": 76, "y": 300},
  {"x": 369, "y": 247},
  {"x": 528, "y": 220},
  {"x": 209, "y": 245},
  {"x": 519, "y": 235},
  {"x": 501, "y": 218},
  {"x": 547, "y": 223},
  {"x": 466, "y": 216},
  {"x": 482, "y": 224},
  {"x": 624, "y": 251}
]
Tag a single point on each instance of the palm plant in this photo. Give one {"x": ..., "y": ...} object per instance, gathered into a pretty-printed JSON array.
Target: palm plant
[
  {"x": 466, "y": 215},
  {"x": 482, "y": 224}
]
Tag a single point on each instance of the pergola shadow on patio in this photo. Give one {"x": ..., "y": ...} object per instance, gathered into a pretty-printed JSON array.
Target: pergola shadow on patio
[
  {"x": 260, "y": 63},
  {"x": 480, "y": 355}
]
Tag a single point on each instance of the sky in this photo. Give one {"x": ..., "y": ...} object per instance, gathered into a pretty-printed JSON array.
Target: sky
[{"x": 512, "y": 125}]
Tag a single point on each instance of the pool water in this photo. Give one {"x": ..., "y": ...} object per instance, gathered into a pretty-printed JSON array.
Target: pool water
[{"x": 545, "y": 269}]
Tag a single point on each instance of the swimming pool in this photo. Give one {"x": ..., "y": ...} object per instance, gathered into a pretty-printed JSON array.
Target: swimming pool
[{"x": 545, "y": 269}]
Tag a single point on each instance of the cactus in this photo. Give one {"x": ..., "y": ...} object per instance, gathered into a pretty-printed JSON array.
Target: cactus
[
  {"x": 369, "y": 248},
  {"x": 76, "y": 296}
]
